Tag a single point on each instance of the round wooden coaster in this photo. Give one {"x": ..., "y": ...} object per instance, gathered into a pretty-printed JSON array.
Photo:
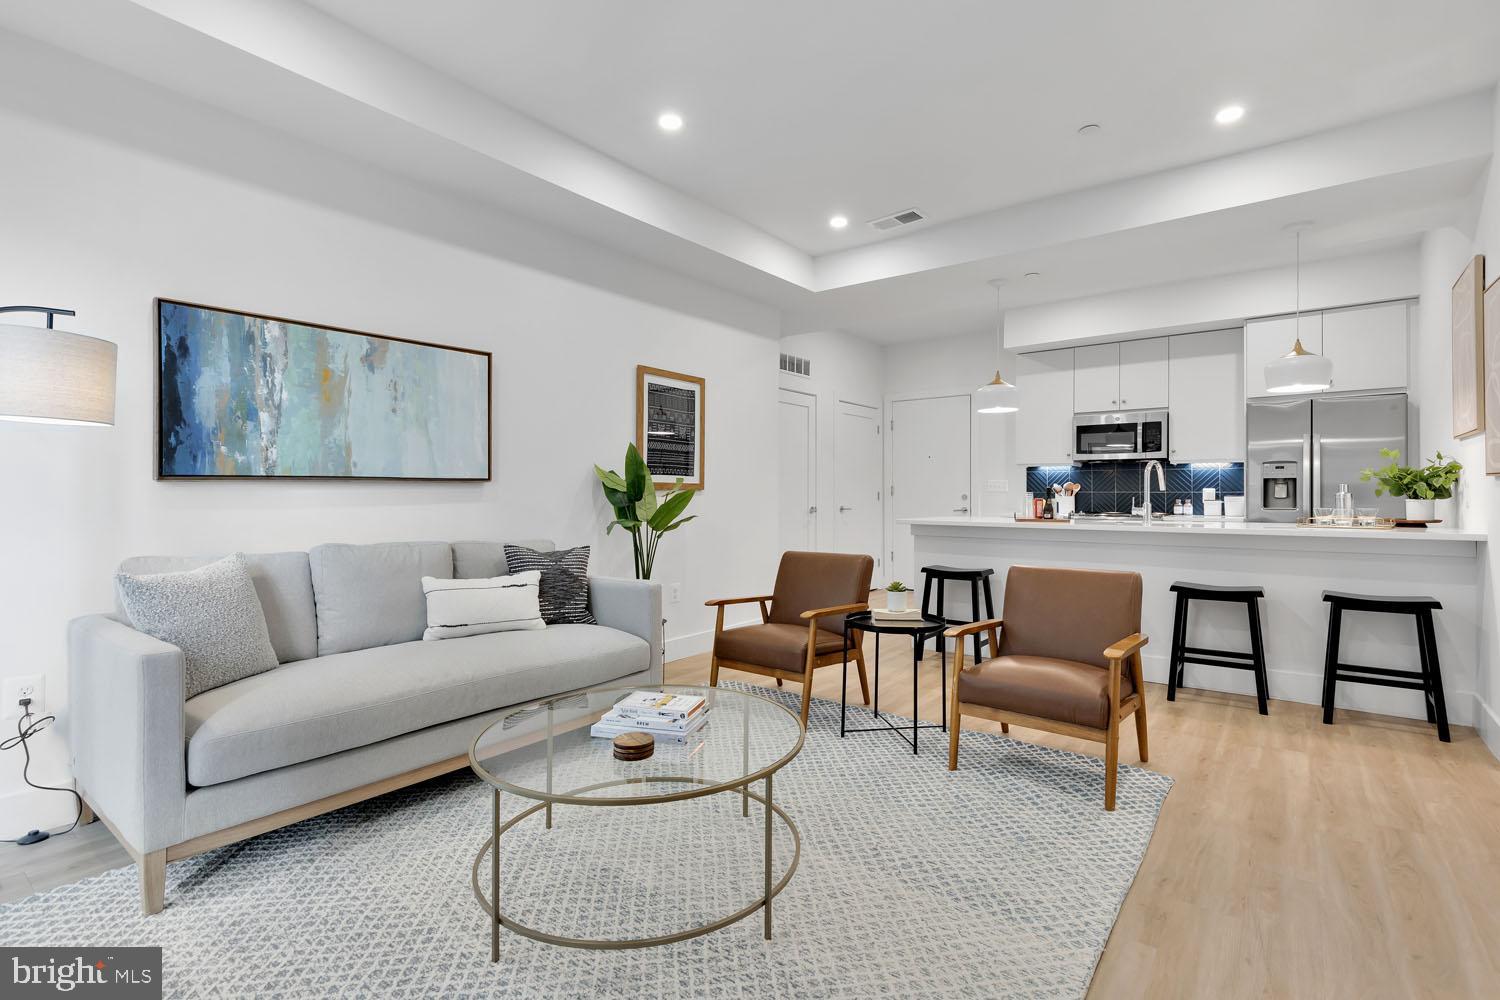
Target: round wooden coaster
[{"x": 634, "y": 746}]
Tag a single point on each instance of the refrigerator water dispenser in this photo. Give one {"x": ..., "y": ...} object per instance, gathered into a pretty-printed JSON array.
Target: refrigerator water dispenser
[{"x": 1279, "y": 485}]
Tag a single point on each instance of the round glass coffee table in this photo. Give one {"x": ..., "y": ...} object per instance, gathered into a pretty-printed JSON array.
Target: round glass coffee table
[{"x": 544, "y": 752}]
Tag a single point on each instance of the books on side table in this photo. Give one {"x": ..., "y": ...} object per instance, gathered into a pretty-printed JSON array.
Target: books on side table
[{"x": 669, "y": 718}]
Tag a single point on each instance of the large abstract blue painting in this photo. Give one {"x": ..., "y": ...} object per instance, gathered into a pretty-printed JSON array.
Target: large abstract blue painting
[{"x": 244, "y": 396}]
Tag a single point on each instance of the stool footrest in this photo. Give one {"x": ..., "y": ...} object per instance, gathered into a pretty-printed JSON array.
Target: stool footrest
[
  {"x": 1388, "y": 682},
  {"x": 1378, "y": 671},
  {"x": 1234, "y": 653},
  {"x": 1246, "y": 664}
]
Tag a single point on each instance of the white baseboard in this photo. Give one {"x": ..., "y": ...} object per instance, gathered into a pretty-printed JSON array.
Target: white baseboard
[
  {"x": 693, "y": 643},
  {"x": 1487, "y": 721},
  {"x": 35, "y": 809}
]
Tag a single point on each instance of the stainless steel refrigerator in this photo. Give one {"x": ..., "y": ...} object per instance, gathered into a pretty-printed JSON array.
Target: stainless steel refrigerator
[{"x": 1298, "y": 452}]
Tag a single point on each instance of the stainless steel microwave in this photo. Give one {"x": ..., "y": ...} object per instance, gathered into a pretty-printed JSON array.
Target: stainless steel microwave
[{"x": 1102, "y": 437}]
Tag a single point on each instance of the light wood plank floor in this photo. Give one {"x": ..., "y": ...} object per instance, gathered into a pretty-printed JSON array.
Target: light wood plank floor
[{"x": 1292, "y": 859}]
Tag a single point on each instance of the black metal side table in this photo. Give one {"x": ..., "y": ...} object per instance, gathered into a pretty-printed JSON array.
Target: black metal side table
[{"x": 919, "y": 630}]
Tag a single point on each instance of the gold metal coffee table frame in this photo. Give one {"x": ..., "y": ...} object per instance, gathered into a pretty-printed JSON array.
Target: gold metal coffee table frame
[{"x": 580, "y": 796}]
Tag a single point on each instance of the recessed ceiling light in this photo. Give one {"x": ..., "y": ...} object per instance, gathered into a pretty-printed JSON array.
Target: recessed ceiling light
[
  {"x": 1092, "y": 128},
  {"x": 1033, "y": 274},
  {"x": 838, "y": 222},
  {"x": 1229, "y": 115},
  {"x": 669, "y": 121}
]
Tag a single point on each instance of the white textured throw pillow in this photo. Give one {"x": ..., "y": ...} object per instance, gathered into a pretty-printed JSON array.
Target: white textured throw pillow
[
  {"x": 211, "y": 613},
  {"x": 473, "y": 607}
]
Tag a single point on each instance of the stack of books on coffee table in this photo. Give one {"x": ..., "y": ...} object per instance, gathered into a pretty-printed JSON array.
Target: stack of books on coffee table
[{"x": 669, "y": 718}]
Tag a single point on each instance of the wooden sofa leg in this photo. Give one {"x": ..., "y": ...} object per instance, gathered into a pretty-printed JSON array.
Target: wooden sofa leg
[
  {"x": 1111, "y": 764},
  {"x": 153, "y": 870},
  {"x": 85, "y": 812}
]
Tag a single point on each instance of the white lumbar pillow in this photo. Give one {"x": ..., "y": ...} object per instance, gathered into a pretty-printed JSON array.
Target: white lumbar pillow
[{"x": 473, "y": 607}]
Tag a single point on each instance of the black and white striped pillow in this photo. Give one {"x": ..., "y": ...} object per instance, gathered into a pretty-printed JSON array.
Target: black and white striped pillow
[{"x": 565, "y": 581}]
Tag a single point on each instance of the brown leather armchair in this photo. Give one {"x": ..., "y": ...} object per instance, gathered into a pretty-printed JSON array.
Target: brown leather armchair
[
  {"x": 802, "y": 627},
  {"x": 1068, "y": 661}
]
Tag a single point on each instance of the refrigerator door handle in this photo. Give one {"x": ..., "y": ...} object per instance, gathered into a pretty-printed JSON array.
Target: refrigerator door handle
[{"x": 1317, "y": 474}]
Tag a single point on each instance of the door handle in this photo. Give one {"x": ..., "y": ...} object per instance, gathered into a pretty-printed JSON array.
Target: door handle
[
  {"x": 842, "y": 509},
  {"x": 812, "y": 510},
  {"x": 960, "y": 510}
]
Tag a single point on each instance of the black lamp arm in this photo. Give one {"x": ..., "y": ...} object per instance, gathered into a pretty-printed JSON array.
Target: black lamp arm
[{"x": 50, "y": 311}]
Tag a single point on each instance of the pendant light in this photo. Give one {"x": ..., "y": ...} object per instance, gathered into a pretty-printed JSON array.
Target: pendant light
[
  {"x": 1299, "y": 370},
  {"x": 997, "y": 395}
]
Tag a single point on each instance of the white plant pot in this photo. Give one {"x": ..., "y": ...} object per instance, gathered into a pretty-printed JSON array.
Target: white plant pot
[
  {"x": 1419, "y": 510},
  {"x": 895, "y": 600}
]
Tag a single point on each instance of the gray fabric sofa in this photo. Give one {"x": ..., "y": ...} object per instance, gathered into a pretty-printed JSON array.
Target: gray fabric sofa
[{"x": 358, "y": 706}]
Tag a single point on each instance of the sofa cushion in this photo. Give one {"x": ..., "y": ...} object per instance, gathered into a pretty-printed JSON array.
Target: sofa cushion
[
  {"x": 282, "y": 582},
  {"x": 476, "y": 560},
  {"x": 210, "y": 613},
  {"x": 371, "y": 595},
  {"x": 322, "y": 706},
  {"x": 1044, "y": 687}
]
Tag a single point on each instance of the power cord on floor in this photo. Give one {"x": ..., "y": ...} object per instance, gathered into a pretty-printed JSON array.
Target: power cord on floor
[{"x": 24, "y": 731}]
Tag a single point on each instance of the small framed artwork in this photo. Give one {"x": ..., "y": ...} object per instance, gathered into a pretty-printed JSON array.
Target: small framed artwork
[
  {"x": 669, "y": 426},
  {"x": 1468, "y": 350},
  {"x": 243, "y": 396},
  {"x": 1491, "y": 308}
]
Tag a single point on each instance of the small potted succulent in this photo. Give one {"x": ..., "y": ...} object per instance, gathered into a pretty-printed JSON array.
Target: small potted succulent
[
  {"x": 895, "y": 596},
  {"x": 1419, "y": 485}
]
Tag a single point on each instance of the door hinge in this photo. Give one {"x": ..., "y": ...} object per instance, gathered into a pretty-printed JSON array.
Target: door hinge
[
  {"x": 892, "y": 490},
  {"x": 893, "y": 424}
]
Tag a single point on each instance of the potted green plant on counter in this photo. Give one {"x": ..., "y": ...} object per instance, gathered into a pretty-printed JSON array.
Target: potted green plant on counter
[
  {"x": 640, "y": 511},
  {"x": 1419, "y": 485},
  {"x": 895, "y": 596}
]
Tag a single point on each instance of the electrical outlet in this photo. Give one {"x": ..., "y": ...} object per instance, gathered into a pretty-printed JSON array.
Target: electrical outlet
[
  {"x": 13, "y": 689},
  {"x": 674, "y": 593}
]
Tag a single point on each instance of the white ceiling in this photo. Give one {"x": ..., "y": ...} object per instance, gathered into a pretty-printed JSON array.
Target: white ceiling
[
  {"x": 796, "y": 110},
  {"x": 964, "y": 109}
]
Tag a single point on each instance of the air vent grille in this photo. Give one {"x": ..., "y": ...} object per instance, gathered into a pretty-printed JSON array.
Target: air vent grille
[
  {"x": 793, "y": 365},
  {"x": 897, "y": 219}
]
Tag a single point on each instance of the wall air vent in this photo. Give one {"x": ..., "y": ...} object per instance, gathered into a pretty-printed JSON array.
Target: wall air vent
[
  {"x": 897, "y": 220},
  {"x": 793, "y": 365}
]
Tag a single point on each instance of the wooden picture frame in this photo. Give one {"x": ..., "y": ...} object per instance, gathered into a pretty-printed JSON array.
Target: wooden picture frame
[
  {"x": 671, "y": 418},
  {"x": 1468, "y": 350},
  {"x": 1490, "y": 304},
  {"x": 469, "y": 407}
]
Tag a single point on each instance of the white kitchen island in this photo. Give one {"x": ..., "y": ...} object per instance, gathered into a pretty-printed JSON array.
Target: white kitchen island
[{"x": 1294, "y": 565}]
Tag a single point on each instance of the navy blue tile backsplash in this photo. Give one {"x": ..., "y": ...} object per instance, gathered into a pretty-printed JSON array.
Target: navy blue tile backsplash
[{"x": 1114, "y": 486}]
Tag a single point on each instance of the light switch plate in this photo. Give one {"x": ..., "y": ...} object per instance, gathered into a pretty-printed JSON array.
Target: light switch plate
[{"x": 13, "y": 689}]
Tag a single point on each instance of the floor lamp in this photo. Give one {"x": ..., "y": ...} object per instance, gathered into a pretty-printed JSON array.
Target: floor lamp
[{"x": 50, "y": 376}]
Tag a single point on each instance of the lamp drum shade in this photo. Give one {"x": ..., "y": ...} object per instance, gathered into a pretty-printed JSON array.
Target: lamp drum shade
[{"x": 52, "y": 376}]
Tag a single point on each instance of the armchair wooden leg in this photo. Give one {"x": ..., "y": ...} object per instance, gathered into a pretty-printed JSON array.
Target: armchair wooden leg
[
  {"x": 806, "y": 698},
  {"x": 864, "y": 678},
  {"x": 955, "y": 723},
  {"x": 1111, "y": 764},
  {"x": 1140, "y": 707},
  {"x": 153, "y": 871},
  {"x": 713, "y": 671},
  {"x": 1005, "y": 727}
]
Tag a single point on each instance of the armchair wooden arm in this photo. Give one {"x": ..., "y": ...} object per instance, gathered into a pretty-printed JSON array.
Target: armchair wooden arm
[
  {"x": 959, "y": 631},
  {"x": 720, "y": 602},
  {"x": 840, "y": 609},
  {"x": 1120, "y": 650}
]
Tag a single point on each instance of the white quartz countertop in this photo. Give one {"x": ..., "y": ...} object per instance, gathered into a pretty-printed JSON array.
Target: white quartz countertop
[{"x": 1187, "y": 529}]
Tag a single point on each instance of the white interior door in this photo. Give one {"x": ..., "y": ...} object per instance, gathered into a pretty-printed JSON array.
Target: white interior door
[
  {"x": 799, "y": 471},
  {"x": 856, "y": 481},
  {"x": 930, "y": 469}
]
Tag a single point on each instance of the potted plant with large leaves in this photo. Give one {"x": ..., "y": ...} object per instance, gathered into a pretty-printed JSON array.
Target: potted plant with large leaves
[
  {"x": 1420, "y": 485},
  {"x": 640, "y": 511}
]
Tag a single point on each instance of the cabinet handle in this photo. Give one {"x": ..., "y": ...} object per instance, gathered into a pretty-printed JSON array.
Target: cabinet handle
[
  {"x": 960, "y": 510},
  {"x": 842, "y": 509}
]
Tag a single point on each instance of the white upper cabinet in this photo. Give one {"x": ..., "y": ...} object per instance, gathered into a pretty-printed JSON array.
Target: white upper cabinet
[
  {"x": 1143, "y": 374},
  {"x": 1096, "y": 378},
  {"x": 1044, "y": 425},
  {"x": 1208, "y": 412},
  {"x": 1367, "y": 345},
  {"x": 1268, "y": 339}
]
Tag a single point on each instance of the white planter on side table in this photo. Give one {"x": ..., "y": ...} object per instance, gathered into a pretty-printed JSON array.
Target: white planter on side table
[
  {"x": 1419, "y": 510},
  {"x": 895, "y": 600}
]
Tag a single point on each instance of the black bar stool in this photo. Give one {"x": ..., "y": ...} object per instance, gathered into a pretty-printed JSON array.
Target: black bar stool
[
  {"x": 1183, "y": 654},
  {"x": 975, "y": 578},
  {"x": 1428, "y": 680}
]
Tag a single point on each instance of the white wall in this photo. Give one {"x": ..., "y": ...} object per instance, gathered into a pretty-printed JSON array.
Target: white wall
[
  {"x": 103, "y": 229},
  {"x": 962, "y": 364},
  {"x": 845, "y": 368},
  {"x": 1214, "y": 303}
]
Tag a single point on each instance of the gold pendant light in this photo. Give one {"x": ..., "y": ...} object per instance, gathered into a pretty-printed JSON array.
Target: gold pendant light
[
  {"x": 998, "y": 395},
  {"x": 1299, "y": 370}
]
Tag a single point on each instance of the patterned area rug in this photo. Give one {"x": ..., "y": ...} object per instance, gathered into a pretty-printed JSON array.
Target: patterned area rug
[{"x": 1002, "y": 879}]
